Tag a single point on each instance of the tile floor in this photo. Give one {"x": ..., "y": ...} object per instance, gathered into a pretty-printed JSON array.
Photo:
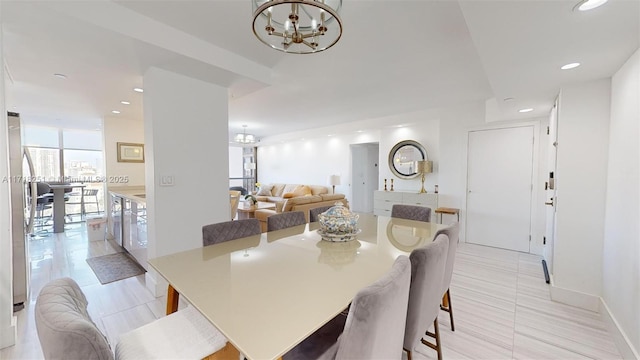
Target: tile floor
[{"x": 501, "y": 304}]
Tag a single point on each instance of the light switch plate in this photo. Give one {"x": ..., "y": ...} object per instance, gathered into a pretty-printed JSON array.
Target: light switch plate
[{"x": 166, "y": 180}]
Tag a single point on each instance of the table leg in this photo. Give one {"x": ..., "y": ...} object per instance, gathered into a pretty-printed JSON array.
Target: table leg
[
  {"x": 172, "y": 300},
  {"x": 58, "y": 210}
]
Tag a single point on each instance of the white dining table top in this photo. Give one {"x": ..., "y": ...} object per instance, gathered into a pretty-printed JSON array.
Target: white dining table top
[{"x": 267, "y": 293}]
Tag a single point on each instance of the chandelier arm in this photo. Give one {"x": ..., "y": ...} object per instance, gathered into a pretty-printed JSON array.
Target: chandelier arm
[
  {"x": 310, "y": 35},
  {"x": 308, "y": 44}
]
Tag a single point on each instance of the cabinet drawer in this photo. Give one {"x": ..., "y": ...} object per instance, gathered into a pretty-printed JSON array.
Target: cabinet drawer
[
  {"x": 429, "y": 200},
  {"x": 382, "y": 212},
  {"x": 382, "y": 204},
  {"x": 387, "y": 195}
]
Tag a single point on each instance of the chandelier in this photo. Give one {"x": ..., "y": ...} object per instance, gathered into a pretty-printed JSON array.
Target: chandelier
[
  {"x": 297, "y": 26},
  {"x": 243, "y": 137}
]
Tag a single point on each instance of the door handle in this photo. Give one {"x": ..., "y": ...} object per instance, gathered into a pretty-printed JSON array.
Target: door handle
[{"x": 550, "y": 202}]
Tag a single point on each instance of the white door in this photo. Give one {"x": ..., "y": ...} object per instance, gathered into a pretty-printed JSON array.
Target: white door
[
  {"x": 364, "y": 176},
  {"x": 551, "y": 187},
  {"x": 499, "y": 186}
]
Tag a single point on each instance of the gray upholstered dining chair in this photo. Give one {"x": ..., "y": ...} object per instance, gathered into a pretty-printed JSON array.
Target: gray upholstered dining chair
[
  {"x": 313, "y": 213},
  {"x": 229, "y": 230},
  {"x": 427, "y": 272},
  {"x": 411, "y": 212},
  {"x": 374, "y": 326},
  {"x": 452, "y": 233},
  {"x": 66, "y": 331},
  {"x": 285, "y": 220}
]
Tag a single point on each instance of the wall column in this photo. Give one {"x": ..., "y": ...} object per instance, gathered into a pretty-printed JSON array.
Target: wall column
[{"x": 186, "y": 162}]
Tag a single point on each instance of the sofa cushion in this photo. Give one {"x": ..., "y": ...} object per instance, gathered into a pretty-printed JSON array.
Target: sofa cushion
[
  {"x": 288, "y": 195},
  {"x": 305, "y": 199},
  {"x": 302, "y": 190},
  {"x": 318, "y": 190},
  {"x": 265, "y": 190},
  {"x": 289, "y": 188},
  {"x": 326, "y": 197},
  {"x": 278, "y": 190}
]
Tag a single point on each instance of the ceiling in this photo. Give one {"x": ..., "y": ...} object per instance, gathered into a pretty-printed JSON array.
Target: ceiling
[{"x": 394, "y": 57}]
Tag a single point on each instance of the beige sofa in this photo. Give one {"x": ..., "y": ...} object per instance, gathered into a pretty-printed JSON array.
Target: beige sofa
[{"x": 294, "y": 197}]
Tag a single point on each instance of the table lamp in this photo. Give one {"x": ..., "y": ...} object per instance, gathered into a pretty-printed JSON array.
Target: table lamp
[
  {"x": 423, "y": 167},
  {"x": 333, "y": 181}
]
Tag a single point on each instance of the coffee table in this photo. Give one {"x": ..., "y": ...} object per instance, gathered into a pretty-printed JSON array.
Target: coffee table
[{"x": 247, "y": 211}]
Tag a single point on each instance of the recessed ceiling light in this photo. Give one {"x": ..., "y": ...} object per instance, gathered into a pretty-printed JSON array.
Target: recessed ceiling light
[
  {"x": 138, "y": 90},
  {"x": 570, "y": 66},
  {"x": 525, "y": 110},
  {"x": 508, "y": 99},
  {"x": 360, "y": 131},
  {"x": 125, "y": 102},
  {"x": 115, "y": 111},
  {"x": 61, "y": 76},
  {"x": 586, "y": 5}
]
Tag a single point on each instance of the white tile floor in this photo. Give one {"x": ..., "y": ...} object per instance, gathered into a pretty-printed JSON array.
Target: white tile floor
[{"x": 501, "y": 304}]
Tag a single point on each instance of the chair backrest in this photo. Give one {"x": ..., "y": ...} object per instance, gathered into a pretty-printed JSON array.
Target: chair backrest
[
  {"x": 90, "y": 192},
  {"x": 234, "y": 198},
  {"x": 285, "y": 220},
  {"x": 452, "y": 233},
  {"x": 42, "y": 188},
  {"x": 229, "y": 230},
  {"x": 411, "y": 212},
  {"x": 313, "y": 213},
  {"x": 427, "y": 270},
  {"x": 376, "y": 320},
  {"x": 64, "y": 326},
  {"x": 242, "y": 190}
]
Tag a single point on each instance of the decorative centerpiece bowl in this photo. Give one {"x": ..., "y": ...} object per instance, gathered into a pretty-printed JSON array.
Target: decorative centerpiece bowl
[{"x": 338, "y": 224}]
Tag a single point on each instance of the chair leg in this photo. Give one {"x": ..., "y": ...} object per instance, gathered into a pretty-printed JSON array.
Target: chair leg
[
  {"x": 436, "y": 335},
  {"x": 446, "y": 306}
]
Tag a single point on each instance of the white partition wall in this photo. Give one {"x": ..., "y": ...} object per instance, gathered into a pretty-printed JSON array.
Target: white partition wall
[{"x": 186, "y": 161}]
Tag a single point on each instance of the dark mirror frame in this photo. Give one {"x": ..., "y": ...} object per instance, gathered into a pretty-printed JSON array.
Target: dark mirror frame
[{"x": 396, "y": 148}]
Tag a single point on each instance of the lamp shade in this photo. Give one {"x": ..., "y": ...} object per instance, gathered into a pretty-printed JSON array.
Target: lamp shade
[
  {"x": 424, "y": 167},
  {"x": 334, "y": 180}
]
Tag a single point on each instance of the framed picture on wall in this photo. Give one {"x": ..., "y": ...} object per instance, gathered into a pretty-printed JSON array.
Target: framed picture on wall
[{"x": 130, "y": 152}]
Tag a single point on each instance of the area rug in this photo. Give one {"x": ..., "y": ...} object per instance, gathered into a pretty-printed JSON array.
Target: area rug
[{"x": 114, "y": 267}]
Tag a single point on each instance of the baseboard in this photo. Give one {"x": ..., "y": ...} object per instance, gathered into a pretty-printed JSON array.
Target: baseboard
[
  {"x": 619, "y": 336},
  {"x": 8, "y": 334},
  {"x": 574, "y": 298}
]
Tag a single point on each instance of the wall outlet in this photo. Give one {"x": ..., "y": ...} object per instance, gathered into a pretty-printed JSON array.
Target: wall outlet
[{"x": 166, "y": 180}]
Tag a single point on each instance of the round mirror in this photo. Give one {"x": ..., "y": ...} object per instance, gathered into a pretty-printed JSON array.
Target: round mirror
[{"x": 403, "y": 157}]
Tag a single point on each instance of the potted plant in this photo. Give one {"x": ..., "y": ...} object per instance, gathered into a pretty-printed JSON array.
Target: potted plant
[{"x": 252, "y": 199}]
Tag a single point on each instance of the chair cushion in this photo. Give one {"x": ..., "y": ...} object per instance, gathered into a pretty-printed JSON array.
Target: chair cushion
[{"x": 185, "y": 334}]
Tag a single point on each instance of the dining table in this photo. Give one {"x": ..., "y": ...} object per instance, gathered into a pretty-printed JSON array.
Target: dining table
[
  {"x": 59, "y": 203},
  {"x": 267, "y": 293}
]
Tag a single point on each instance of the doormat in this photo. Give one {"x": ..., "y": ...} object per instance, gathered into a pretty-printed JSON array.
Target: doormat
[{"x": 114, "y": 267}]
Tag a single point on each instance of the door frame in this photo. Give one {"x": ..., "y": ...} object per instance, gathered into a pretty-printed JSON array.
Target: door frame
[{"x": 537, "y": 211}]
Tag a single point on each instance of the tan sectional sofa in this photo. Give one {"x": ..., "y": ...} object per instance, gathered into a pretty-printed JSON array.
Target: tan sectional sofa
[{"x": 295, "y": 197}]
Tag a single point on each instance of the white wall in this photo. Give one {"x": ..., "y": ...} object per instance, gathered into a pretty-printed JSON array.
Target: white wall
[
  {"x": 186, "y": 127},
  {"x": 7, "y": 329},
  {"x": 583, "y": 136},
  {"x": 443, "y": 132},
  {"x": 315, "y": 156},
  {"x": 621, "y": 250},
  {"x": 119, "y": 129}
]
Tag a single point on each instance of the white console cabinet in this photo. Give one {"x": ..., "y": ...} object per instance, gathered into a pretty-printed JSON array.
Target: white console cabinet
[{"x": 384, "y": 200}]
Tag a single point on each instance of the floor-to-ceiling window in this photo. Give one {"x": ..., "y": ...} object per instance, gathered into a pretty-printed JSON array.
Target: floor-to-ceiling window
[{"x": 72, "y": 156}]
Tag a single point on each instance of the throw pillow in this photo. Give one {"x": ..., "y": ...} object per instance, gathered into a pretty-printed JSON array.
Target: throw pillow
[
  {"x": 265, "y": 190},
  {"x": 288, "y": 195},
  {"x": 302, "y": 190}
]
